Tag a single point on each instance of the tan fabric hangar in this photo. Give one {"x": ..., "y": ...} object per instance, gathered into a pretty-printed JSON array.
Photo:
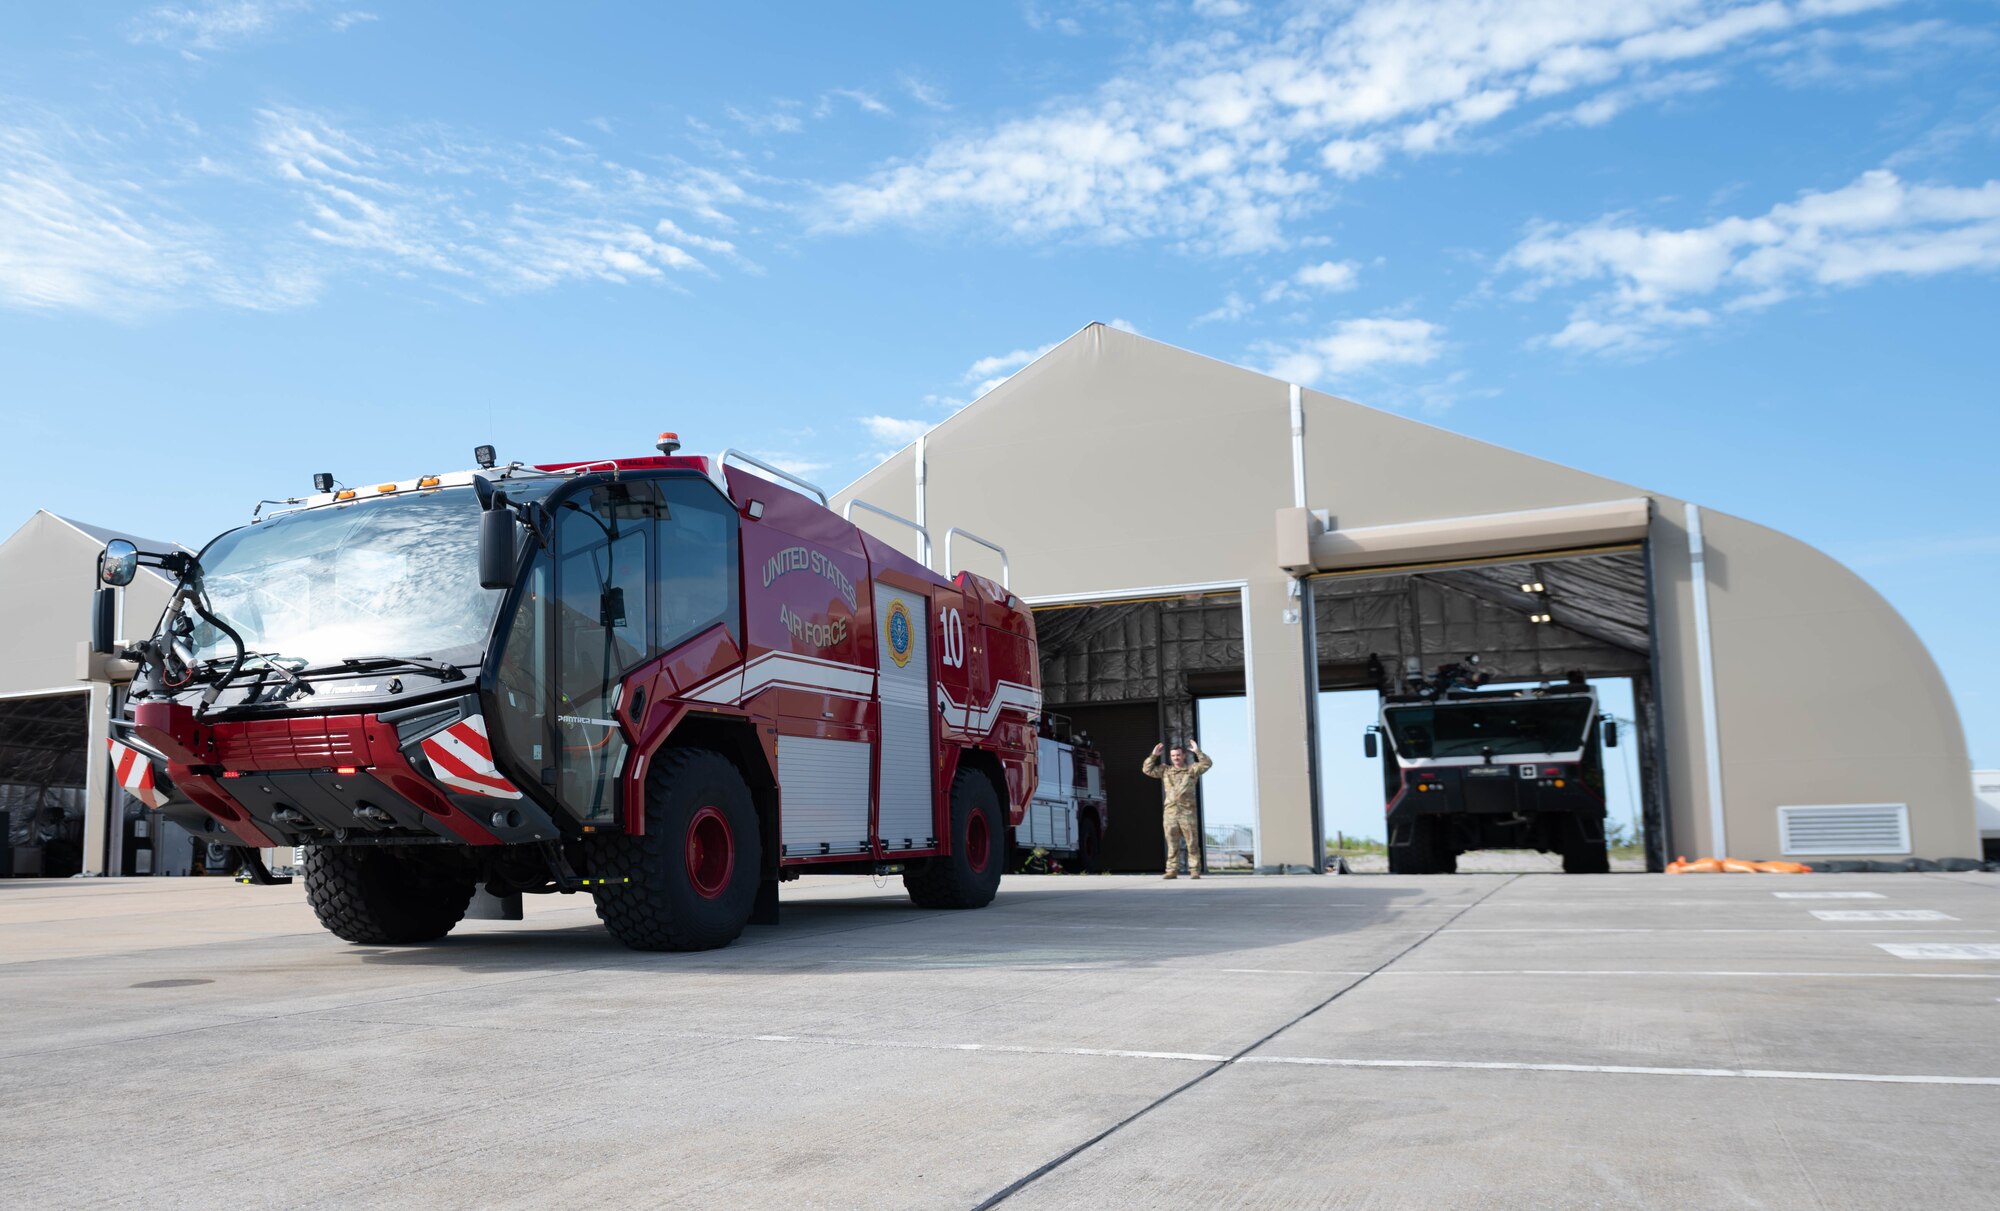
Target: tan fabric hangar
[{"x": 1188, "y": 527}]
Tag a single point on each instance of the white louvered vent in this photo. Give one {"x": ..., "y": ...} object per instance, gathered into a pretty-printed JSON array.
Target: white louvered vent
[{"x": 1845, "y": 828}]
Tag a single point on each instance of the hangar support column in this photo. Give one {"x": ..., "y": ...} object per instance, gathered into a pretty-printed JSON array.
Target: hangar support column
[
  {"x": 1276, "y": 683},
  {"x": 102, "y": 829}
]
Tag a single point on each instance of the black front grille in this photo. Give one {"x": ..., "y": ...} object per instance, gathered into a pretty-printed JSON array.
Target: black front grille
[{"x": 1489, "y": 794}]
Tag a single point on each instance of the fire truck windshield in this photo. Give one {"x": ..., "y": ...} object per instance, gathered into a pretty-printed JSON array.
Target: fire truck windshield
[
  {"x": 1508, "y": 726},
  {"x": 395, "y": 576}
]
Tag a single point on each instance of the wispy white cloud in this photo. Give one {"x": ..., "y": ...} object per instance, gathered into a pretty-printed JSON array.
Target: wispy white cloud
[
  {"x": 924, "y": 93},
  {"x": 423, "y": 201},
  {"x": 1233, "y": 307},
  {"x": 803, "y": 466},
  {"x": 95, "y": 217},
  {"x": 1219, "y": 140},
  {"x": 1653, "y": 280},
  {"x": 76, "y": 234},
  {"x": 781, "y": 119},
  {"x": 1007, "y": 362},
  {"x": 344, "y": 21},
  {"x": 862, "y": 99},
  {"x": 1329, "y": 276},
  {"x": 1039, "y": 17},
  {"x": 1354, "y": 346},
  {"x": 215, "y": 24},
  {"x": 892, "y": 433}
]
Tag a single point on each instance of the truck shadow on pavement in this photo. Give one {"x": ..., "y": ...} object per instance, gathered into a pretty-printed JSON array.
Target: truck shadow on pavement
[{"x": 1108, "y": 922}]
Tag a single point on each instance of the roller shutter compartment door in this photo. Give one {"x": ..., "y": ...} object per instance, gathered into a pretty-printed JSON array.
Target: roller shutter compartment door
[{"x": 904, "y": 819}]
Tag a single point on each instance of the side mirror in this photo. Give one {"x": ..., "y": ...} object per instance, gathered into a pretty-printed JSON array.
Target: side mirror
[
  {"x": 119, "y": 563},
  {"x": 1368, "y": 745},
  {"x": 496, "y": 549},
  {"x": 103, "y": 617},
  {"x": 1610, "y": 733}
]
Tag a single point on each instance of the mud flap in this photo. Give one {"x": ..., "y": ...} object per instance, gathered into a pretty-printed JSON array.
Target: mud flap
[
  {"x": 486, "y": 906},
  {"x": 765, "y": 910}
]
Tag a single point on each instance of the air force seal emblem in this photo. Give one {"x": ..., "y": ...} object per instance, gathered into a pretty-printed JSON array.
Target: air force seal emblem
[{"x": 898, "y": 632}]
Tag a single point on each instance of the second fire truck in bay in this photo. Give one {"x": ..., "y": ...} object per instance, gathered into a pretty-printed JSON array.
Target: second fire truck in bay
[
  {"x": 1471, "y": 768},
  {"x": 667, "y": 682}
]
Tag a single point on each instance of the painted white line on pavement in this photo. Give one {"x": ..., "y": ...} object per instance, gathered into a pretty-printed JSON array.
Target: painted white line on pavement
[
  {"x": 1942, "y": 950},
  {"x": 1882, "y": 914},
  {"x": 1815, "y": 975},
  {"x": 1203, "y": 1057},
  {"x": 998, "y": 1048},
  {"x": 1629, "y": 1070},
  {"x": 1798, "y": 929},
  {"x": 1285, "y": 971},
  {"x": 1829, "y": 895}
]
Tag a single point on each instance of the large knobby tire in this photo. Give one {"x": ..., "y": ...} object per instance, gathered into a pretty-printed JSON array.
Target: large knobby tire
[
  {"x": 378, "y": 897},
  {"x": 1090, "y": 845},
  {"x": 1583, "y": 848},
  {"x": 1444, "y": 859},
  {"x": 694, "y": 875},
  {"x": 1412, "y": 856},
  {"x": 968, "y": 876}
]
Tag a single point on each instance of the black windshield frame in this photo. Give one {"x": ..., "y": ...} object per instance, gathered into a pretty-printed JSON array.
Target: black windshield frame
[{"x": 1511, "y": 727}]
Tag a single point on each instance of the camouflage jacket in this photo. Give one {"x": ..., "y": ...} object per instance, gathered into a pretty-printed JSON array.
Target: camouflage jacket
[{"x": 1177, "y": 785}]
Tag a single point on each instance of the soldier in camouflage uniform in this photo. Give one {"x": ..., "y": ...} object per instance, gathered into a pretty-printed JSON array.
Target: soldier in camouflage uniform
[{"x": 1177, "y": 781}]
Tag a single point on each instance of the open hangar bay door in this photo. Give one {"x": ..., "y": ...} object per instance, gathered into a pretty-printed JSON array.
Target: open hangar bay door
[
  {"x": 1539, "y": 596},
  {"x": 1127, "y": 672}
]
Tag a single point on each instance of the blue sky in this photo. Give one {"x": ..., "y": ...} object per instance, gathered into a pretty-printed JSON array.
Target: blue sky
[{"x": 1744, "y": 253}]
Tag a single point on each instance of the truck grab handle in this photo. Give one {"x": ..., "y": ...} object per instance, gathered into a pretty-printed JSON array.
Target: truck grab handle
[
  {"x": 878, "y": 510},
  {"x": 969, "y": 536},
  {"x": 722, "y": 481}
]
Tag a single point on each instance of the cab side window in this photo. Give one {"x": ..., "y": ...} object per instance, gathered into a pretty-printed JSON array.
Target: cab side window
[
  {"x": 524, "y": 689},
  {"x": 697, "y": 563}
]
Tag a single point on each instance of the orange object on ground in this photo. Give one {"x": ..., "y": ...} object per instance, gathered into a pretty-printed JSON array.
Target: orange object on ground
[{"x": 1734, "y": 866}]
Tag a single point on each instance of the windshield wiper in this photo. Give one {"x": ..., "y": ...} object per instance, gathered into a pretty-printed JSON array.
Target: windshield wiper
[
  {"x": 371, "y": 664},
  {"x": 269, "y": 660}
]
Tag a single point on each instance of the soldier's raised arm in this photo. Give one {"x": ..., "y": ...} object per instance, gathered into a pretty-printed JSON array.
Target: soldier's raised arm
[
  {"x": 1151, "y": 767},
  {"x": 1201, "y": 759}
]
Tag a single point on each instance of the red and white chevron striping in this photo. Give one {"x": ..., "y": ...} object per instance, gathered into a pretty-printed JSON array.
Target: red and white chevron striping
[
  {"x": 462, "y": 759},
  {"x": 134, "y": 771}
]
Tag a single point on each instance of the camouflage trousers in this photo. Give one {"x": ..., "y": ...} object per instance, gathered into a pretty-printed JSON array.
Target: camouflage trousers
[{"x": 1183, "y": 837}]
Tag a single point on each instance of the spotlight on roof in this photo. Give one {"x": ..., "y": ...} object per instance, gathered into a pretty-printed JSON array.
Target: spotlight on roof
[
  {"x": 483, "y": 455},
  {"x": 322, "y": 481}
]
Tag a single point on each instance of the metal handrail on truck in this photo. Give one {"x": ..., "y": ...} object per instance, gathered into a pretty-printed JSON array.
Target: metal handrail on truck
[
  {"x": 847, "y": 514},
  {"x": 722, "y": 481},
  {"x": 990, "y": 545}
]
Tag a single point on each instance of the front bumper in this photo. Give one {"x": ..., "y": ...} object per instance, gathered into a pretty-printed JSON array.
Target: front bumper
[{"x": 346, "y": 779}]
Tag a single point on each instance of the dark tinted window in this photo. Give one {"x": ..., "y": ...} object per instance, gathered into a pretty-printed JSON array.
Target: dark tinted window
[
  {"x": 697, "y": 554},
  {"x": 1509, "y": 726}
]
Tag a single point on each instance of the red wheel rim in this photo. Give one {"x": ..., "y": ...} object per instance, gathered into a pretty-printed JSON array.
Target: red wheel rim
[
  {"x": 978, "y": 842},
  {"x": 711, "y": 853}
]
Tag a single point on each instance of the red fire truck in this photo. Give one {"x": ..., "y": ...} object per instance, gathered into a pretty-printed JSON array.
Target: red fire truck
[{"x": 668, "y": 682}]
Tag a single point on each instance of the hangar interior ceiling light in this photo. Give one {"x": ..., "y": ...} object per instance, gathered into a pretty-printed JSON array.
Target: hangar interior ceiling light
[{"x": 1536, "y": 587}]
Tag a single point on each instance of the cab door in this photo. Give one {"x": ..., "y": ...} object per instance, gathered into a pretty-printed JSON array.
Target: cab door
[{"x": 602, "y": 619}]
